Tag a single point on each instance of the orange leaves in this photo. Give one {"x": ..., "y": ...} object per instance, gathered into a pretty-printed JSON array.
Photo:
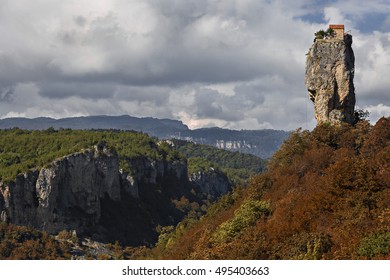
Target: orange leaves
[{"x": 23, "y": 243}]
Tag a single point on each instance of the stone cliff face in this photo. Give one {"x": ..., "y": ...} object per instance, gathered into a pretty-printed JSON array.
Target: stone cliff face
[
  {"x": 88, "y": 193},
  {"x": 18, "y": 200},
  {"x": 329, "y": 76},
  {"x": 144, "y": 171},
  {"x": 212, "y": 182},
  {"x": 65, "y": 195}
]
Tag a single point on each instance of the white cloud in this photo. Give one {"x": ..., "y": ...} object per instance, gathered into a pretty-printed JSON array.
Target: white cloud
[
  {"x": 378, "y": 111},
  {"x": 359, "y": 10},
  {"x": 372, "y": 65},
  {"x": 334, "y": 16}
]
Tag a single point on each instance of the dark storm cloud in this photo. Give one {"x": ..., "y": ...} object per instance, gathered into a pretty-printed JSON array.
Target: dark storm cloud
[
  {"x": 253, "y": 93},
  {"x": 154, "y": 94},
  {"x": 207, "y": 105},
  {"x": 178, "y": 50},
  {"x": 62, "y": 90},
  {"x": 6, "y": 94}
]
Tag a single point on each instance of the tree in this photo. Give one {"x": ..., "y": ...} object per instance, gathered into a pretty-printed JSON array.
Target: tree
[
  {"x": 361, "y": 115},
  {"x": 321, "y": 34}
]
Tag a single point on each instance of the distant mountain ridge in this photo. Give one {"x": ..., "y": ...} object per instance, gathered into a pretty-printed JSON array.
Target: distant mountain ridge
[
  {"x": 125, "y": 122},
  {"x": 262, "y": 143}
]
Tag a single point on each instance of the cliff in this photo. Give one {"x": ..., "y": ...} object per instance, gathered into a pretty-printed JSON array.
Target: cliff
[
  {"x": 329, "y": 77},
  {"x": 212, "y": 182},
  {"x": 65, "y": 195},
  {"x": 88, "y": 193}
]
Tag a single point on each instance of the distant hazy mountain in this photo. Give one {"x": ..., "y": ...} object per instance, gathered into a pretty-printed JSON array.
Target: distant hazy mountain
[{"x": 262, "y": 143}]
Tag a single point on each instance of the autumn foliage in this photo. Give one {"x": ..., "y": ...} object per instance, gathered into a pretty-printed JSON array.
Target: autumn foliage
[
  {"x": 22, "y": 243},
  {"x": 326, "y": 195}
]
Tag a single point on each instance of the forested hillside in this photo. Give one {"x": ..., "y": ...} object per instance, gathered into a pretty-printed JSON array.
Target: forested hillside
[
  {"x": 239, "y": 167},
  {"x": 326, "y": 195}
]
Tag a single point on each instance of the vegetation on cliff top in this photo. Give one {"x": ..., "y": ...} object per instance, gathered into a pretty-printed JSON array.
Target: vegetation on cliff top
[
  {"x": 321, "y": 34},
  {"x": 21, "y": 150}
]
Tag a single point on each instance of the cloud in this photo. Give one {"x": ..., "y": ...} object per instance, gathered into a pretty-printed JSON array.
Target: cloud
[
  {"x": 373, "y": 62},
  {"x": 236, "y": 64},
  {"x": 6, "y": 94},
  {"x": 334, "y": 15},
  {"x": 378, "y": 111},
  {"x": 62, "y": 90}
]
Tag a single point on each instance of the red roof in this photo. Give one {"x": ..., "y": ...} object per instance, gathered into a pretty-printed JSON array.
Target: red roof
[{"x": 336, "y": 26}]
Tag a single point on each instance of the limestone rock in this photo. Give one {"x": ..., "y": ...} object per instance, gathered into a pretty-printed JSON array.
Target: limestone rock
[
  {"x": 78, "y": 192},
  {"x": 212, "y": 182},
  {"x": 69, "y": 191},
  {"x": 20, "y": 199},
  {"x": 130, "y": 185},
  {"x": 329, "y": 77},
  {"x": 147, "y": 171},
  {"x": 86, "y": 192},
  {"x": 64, "y": 195}
]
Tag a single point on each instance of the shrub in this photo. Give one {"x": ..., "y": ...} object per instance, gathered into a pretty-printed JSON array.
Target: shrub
[
  {"x": 302, "y": 246},
  {"x": 198, "y": 164},
  {"x": 375, "y": 245},
  {"x": 247, "y": 215},
  {"x": 321, "y": 34},
  {"x": 23, "y": 243}
]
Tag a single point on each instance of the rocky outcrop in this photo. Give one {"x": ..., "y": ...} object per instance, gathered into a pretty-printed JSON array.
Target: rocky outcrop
[
  {"x": 211, "y": 182},
  {"x": 147, "y": 171},
  {"x": 65, "y": 195},
  {"x": 86, "y": 192},
  {"x": 144, "y": 171},
  {"x": 329, "y": 77},
  {"x": 18, "y": 200}
]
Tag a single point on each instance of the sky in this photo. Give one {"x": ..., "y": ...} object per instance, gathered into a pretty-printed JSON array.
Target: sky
[{"x": 236, "y": 64}]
